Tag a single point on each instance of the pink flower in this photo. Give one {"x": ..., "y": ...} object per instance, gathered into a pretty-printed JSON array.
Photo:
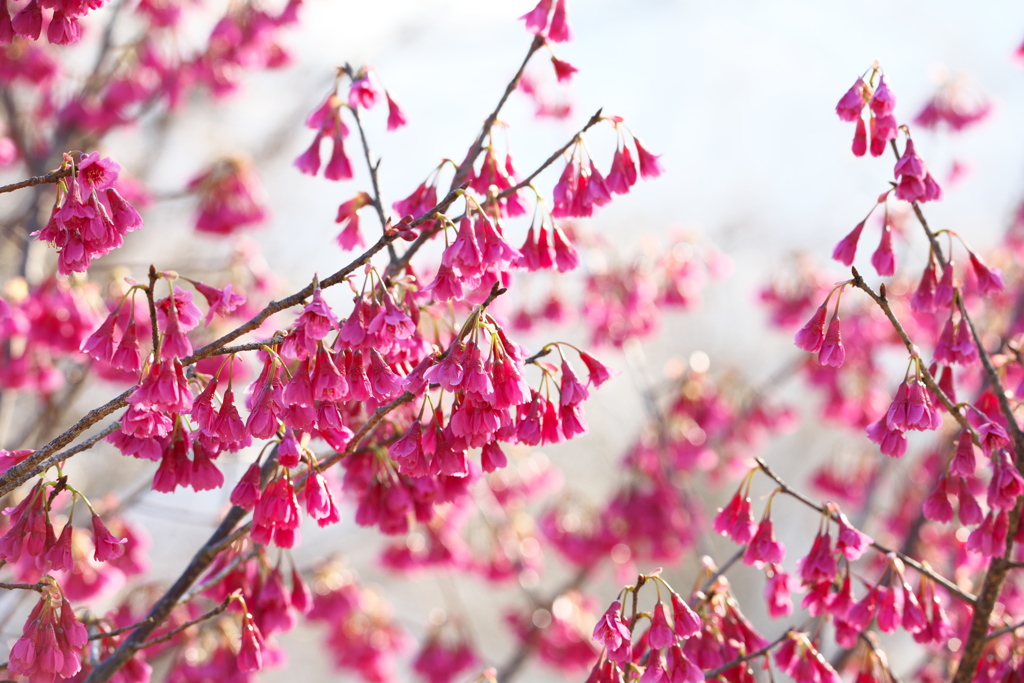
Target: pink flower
[
  {"x": 884, "y": 258},
  {"x": 396, "y": 118},
  {"x": 736, "y": 519},
  {"x": 883, "y": 129},
  {"x": 937, "y": 506},
  {"x": 849, "y": 541},
  {"x": 820, "y": 563},
  {"x": 95, "y": 173},
  {"x": 247, "y": 491},
  {"x": 847, "y": 247},
  {"x": 686, "y": 623},
  {"x": 811, "y": 336},
  {"x": 222, "y": 302},
  {"x": 832, "y": 351},
  {"x": 924, "y": 296},
  {"x": 559, "y": 30},
  {"x": 777, "y": 591},
  {"x": 964, "y": 461},
  {"x": 537, "y": 18},
  {"x": 989, "y": 538},
  {"x": 763, "y": 547},
  {"x": 348, "y": 217},
  {"x": 563, "y": 70},
  {"x": 63, "y": 30},
  {"x": 612, "y": 633},
  {"x": 970, "y": 509},
  {"x": 883, "y": 102},
  {"x": 650, "y": 167},
  {"x": 892, "y": 442},
  {"x": 28, "y": 23},
  {"x": 660, "y": 635},
  {"x": 990, "y": 280},
  {"x": 364, "y": 91},
  {"x": 860, "y": 139},
  {"x": 231, "y": 197},
  {"x": 107, "y": 545},
  {"x": 851, "y": 105},
  {"x": 250, "y": 654},
  {"x": 1006, "y": 484},
  {"x": 309, "y": 161},
  {"x": 338, "y": 166}
]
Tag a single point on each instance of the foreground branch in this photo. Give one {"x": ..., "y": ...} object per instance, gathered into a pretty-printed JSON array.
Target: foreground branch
[{"x": 909, "y": 561}]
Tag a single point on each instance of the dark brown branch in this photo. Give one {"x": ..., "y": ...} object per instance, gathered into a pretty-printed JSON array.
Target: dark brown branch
[
  {"x": 929, "y": 380},
  {"x": 909, "y": 561},
  {"x": 226, "y": 532},
  {"x": 37, "y": 587},
  {"x": 474, "y": 151},
  {"x": 251, "y": 346},
  {"x": 17, "y": 475},
  {"x": 199, "y": 563},
  {"x": 998, "y": 568},
  {"x": 464, "y": 169},
  {"x": 75, "y": 450},
  {"x": 594, "y": 120},
  {"x": 51, "y": 177}
]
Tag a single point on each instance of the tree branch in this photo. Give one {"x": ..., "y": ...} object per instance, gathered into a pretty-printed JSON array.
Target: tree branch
[
  {"x": 51, "y": 177},
  {"x": 909, "y": 561}
]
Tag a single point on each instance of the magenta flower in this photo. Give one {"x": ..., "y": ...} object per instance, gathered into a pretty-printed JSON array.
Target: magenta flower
[
  {"x": 107, "y": 546},
  {"x": 851, "y": 105},
  {"x": 763, "y": 547},
  {"x": 811, "y": 336},
  {"x": 396, "y": 118},
  {"x": 847, "y": 247},
  {"x": 832, "y": 351},
  {"x": 884, "y": 258}
]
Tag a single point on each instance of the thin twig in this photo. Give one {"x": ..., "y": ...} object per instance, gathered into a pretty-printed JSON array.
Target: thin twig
[
  {"x": 51, "y": 177},
  {"x": 474, "y": 151},
  {"x": 37, "y": 587},
  {"x": 251, "y": 346},
  {"x": 203, "y": 617},
  {"x": 117, "y": 631},
  {"x": 218, "y": 577},
  {"x": 75, "y": 450},
  {"x": 372, "y": 167},
  {"x": 1003, "y": 631},
  {"x": 926, "y": 376},
  {"x": 711, "y": 673},
  {"x": 702, "y": 595},
  {"x": 594, "y": 120},
  {"x": 909, "y": 561},
  {"x": 459, "y": 181}
]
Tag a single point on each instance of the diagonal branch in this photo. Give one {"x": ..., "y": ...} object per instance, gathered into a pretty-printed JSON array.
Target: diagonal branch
[{"x": 909, "y": 561}]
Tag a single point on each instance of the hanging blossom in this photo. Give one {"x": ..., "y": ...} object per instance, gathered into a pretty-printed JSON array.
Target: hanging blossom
[
  {"x": 364, "y": 93},
  {"x": 90, "y": 217},
  {"x": 52, "y": 639}
]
